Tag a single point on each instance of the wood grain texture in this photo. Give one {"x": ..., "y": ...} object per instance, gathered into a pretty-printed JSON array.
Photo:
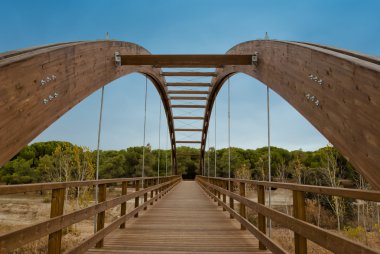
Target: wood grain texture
[
  {"x": 348, "y": 114},
  {"x": 80, "y": 68},
  {"x": 184, "y": 221}
]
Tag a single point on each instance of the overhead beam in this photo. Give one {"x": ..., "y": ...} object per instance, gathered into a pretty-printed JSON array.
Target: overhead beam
[
  {"x": 188, "y": 74},
  {"x": 188, "y": 106},
  {"x": 191, "y": 98},
  {"x": 186, "y": 61},
  {"x": 188, "y": 118},
  {"x": 188, "y": 84},
  {"x": 180, "y": 129},
  {"x": 186, "y": 92},
  {"x": 187, "y": 142}
]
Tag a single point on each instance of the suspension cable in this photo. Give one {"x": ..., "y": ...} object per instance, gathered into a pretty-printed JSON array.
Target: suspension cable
[
  {"x": 229, "y": 130},
  {"x": 143, "y": 155},
  {"x": 159, "y": 144},
  {"x": 98, "y": 153},
  {"x": 269, "y": 160},
  {"x": 215, "y": 143}
]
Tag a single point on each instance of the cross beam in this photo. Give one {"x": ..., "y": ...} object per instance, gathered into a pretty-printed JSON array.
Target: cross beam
[
  {"x": 187, "y": 61},
  {"x": 188, "y": 74}
]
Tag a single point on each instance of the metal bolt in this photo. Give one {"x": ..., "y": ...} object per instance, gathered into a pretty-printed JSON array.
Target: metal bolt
[{"x": 117, "y": 59}]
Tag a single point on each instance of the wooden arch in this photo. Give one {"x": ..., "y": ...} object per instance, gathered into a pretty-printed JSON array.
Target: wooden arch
[
  {"x": 337, "y": 91},
  {"x": 39, "y": 85}
]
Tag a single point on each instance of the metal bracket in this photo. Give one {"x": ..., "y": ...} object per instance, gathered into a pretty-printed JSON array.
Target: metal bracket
[
  {"x": 255, "y": 58},
  {"x": 117, "y": 59}
]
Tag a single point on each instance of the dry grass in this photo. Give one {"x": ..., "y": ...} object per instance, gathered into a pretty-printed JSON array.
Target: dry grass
[{"x": 20, "y": 210}]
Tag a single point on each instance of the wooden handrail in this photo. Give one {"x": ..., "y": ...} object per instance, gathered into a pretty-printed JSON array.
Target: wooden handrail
[
  {"x": 369, "y": 195},
  {"x": 324, "y": 238},
  {"x": 21, "y": 188},
  {"x": 17, "y": 238}
]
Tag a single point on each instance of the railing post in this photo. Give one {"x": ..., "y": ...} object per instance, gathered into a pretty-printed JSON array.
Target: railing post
[
  {"x": 124, "y": 188},
  {"x": 146, "y": 185},
  {"x": 151, "y": 181},
  {"x": 232, "y": 205},
  {"x": 137, "y": 199},
  {"x": 156, "y": 182},
  {"x": 215, "y": 191},
  {"x": 56, "y": 209},
  {"x": 300, "y": 243},
  {"x": 261, "y": 218},
  {"x": 101, "y": 216},
  {"x": 219, "y": 185},
  {"x": 242, "y": 206},
  {"x": 225, "y": 183}
]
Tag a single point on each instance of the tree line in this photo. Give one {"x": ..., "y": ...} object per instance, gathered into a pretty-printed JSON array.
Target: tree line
[{"x": 63, "y": 161}]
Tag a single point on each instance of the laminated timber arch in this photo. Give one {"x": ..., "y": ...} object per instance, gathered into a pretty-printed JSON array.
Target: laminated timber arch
[
  {"x": 40, "y": 84},
  {"x": 337, "y": 91}
]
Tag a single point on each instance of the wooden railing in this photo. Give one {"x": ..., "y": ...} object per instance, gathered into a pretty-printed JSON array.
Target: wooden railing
[
  {"x": 303, "y": 230},
  {"x": 58, "y": 221}
]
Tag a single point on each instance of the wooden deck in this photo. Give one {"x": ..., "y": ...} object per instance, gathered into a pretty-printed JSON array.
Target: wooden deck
[{"x": 184, "y": 221}]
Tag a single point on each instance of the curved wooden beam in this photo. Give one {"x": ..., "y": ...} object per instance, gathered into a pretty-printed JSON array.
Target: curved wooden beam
[
  {"x": 39, "y": 85},
  {"x": 337, "y": 91}
]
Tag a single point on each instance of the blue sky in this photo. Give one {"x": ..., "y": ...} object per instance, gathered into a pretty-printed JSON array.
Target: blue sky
[{"x": 191, "y": 26}]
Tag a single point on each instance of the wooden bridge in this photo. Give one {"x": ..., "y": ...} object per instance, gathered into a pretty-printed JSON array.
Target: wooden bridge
[
  {"x": 175, "y": 216},
  {"x": 336, "y": 90},
  {"x": 184, "y": 221}
]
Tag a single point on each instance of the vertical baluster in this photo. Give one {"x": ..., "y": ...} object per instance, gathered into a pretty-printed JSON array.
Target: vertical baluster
[
  {"x": 56, "y": 209},
  {"x": 137, "y": 199},
  {"x": 232, "y": 205},
  {"x": 123, "y": 210},
  {"x": 300, "y": 244},
  {"x": 101, "y": 216},
  {"x": 225, "y": 186},
  {"x": 261, "y": 218},
  {"x": 242, "y": 206}
]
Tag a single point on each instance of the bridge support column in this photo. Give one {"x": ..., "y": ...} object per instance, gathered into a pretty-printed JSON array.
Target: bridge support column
[
  {"x": 102, "y": 215},
  {"x": 242, "y": 207},
  {"x": 123, "y": 210},
  {"x": 261, "y": 218},
  {"x": 56, "y": 209},
  {"x": 300, "y": 243}
]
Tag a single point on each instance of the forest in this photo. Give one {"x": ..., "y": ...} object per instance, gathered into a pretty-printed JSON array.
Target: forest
[{"x": 63, "y": 161}]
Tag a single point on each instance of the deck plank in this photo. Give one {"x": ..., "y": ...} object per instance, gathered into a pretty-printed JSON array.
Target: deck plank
[{"x": 184, "y": 221}]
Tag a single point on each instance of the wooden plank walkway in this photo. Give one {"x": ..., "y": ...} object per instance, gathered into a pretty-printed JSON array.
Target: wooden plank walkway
[{"x": 184, "y": 221}]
